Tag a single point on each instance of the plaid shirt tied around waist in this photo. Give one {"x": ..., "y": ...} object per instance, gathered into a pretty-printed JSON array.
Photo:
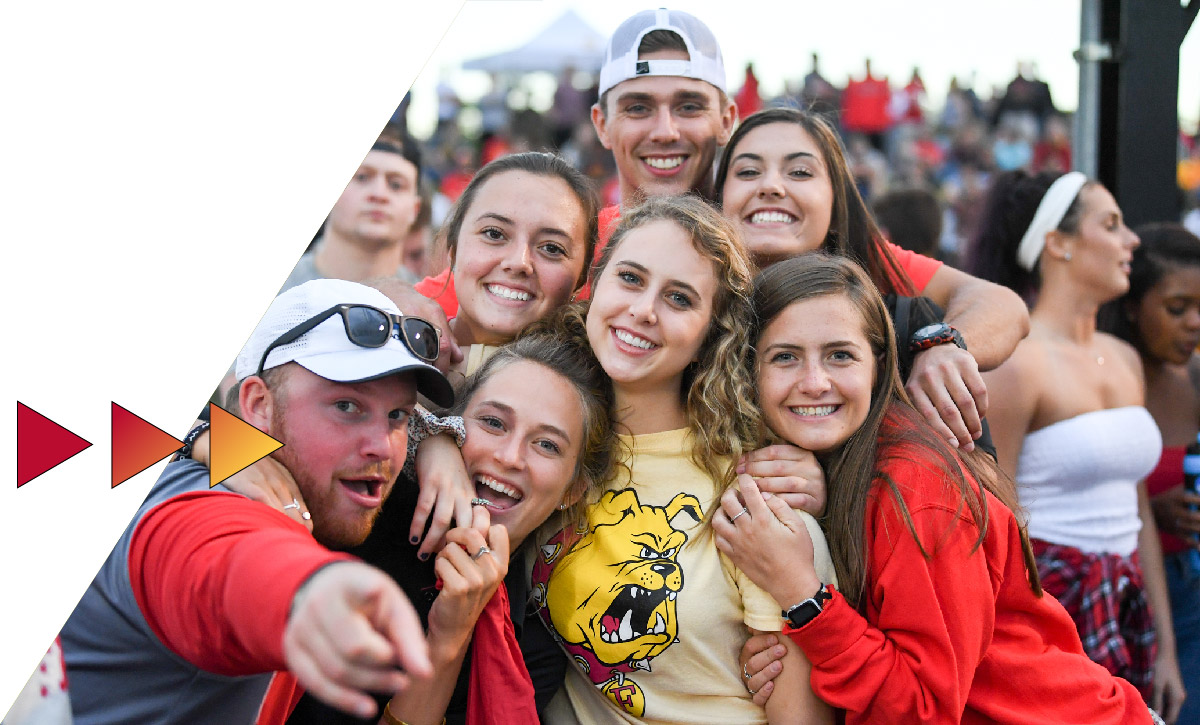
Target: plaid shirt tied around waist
[{"x": 1105, "y": 596}]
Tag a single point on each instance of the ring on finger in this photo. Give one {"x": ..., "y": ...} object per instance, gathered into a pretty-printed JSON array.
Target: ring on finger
[
  {"x": 295, "y": 504},
  {"x": 743, "y": 512},
  {"x": 752, "y": 692},
  {"x": 745, "y": 672},
  {"x": 482, "y": 550}
]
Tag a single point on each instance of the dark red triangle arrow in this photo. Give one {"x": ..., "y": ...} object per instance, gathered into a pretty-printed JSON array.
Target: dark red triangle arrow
[{"x": 42, "y": 444}]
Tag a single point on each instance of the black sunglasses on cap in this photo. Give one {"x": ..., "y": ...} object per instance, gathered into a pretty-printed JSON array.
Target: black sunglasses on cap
[{"x": 368, "y": 326}]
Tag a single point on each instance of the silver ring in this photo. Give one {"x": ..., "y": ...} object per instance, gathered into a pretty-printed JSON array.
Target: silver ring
[
  {"x": 743, "y": 512},
  {"x": 745, "y": 673},
  {"x": 752, "y": 692},
  {"x": 482, "y": 550},
  {"x": 295, "y": 504}
]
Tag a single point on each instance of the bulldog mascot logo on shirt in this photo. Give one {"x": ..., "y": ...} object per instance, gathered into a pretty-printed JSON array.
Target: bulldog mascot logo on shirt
[{"x": 610, "y": 598}]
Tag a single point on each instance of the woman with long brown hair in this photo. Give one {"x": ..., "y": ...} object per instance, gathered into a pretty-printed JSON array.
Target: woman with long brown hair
[
  {"x": 938, "y": 616},
  {"x": 785, "y": 184}
]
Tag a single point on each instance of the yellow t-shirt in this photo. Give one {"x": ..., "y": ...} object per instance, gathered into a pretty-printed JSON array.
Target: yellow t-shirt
[{"x": 652, "y": 614}]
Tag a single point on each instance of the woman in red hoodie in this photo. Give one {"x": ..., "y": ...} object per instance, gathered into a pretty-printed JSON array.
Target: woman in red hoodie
[{"x": 939, "y": 616}]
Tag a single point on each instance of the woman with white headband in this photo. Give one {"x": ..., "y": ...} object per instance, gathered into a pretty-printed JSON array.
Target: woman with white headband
[{"x": 1069, "y": 423}]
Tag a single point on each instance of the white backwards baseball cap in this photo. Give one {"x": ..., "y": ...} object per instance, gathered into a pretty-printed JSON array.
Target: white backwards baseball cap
[
  {"x": 621, "y": 56},
  {"x": 326, "y": 349}
]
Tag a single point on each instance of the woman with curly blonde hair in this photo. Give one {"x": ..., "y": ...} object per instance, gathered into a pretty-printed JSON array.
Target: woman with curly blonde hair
[{"x": 651, "y": 614}]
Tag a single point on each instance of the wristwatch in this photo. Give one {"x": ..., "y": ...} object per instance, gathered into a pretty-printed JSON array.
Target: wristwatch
[
  {"x": 939, "y": 333},
  {"x": 801, "y": 614}
]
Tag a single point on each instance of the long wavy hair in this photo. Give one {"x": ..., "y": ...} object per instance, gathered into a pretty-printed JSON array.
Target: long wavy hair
[
  {"x": 892, "y": 429},
  {"x": 717, "y": 389},
  {"x": 559, "y": 343},
  {"x": 852, "y": 230}
]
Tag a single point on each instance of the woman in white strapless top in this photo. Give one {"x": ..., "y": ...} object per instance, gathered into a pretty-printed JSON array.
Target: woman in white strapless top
[{"x": 1069, "y": 424}]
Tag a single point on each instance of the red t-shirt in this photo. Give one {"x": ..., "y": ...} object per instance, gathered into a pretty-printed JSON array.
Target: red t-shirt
[{"x": 919, "y": 268}]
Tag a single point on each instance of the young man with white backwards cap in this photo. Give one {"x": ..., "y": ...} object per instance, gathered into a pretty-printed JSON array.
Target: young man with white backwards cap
[
  {"x": 663, "y": 109},
  {"x": 207, "y": 592}
]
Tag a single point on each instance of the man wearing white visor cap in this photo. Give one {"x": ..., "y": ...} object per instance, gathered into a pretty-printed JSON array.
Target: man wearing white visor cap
[
  {"x": 207, "y": 592},
  {"x": 663, "y": 109}
]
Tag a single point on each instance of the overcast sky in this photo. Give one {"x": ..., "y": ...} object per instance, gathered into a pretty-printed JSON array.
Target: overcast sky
[{"x": 943, "y": 37}]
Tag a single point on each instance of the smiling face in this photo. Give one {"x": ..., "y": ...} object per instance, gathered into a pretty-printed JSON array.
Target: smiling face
[
  {"x": 778, "y": 192},
  {"x": 520, "y": 254},
  {"x": 380, "y": 203},
  {"x": 524, "y": 437},
  {"x": 663, "y": 131},
  {"x": 344, "y": 443},
  {"x": 816, "y": 371},
  {"x": 1168, "y": 316},
  {"x": 1103, "y": 246},
  {"x": 651, "y": 308}
]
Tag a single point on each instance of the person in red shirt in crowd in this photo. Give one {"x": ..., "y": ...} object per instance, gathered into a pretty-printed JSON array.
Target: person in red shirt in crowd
[
  {"x": 938, "y": 616},
  {"x": 908, "y": 100},
  {"x": 748, "y": 100},
  {"x": 786, "y": 185},
  {"x": 866, "y": 107}
]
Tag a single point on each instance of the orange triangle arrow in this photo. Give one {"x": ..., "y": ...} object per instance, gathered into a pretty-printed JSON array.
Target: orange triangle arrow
[
  {"x": 234, "y": 444},
  {"x": 42, "y": 444},
  {"x": 137, "y": 445}
]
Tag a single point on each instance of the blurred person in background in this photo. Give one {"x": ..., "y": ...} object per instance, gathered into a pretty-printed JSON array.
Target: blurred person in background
[
  {"x": 1011, "y": 149},
  {"x": 912, "y": 219},
  {"x": 1026, "y": 102},
  {"x": 818, "y": 95},
  {"x": 364, "y": 234},
  {"x": 1160, "y": 316},
  {"x": 570, "y": 107},
  {"x": 1073, "y": 430},
  {"x": 865, "y": 107},
  {"x": 416, "y": 251},
  {"x": 1053, "y": 151}
]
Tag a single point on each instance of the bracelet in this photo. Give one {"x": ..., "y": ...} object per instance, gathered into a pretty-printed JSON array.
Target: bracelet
[
  {"x": 392, "y": 719},
  {"x": 186, "y": 451}
]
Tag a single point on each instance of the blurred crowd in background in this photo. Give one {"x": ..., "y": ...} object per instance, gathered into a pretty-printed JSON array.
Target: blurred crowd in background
[{"x": 923, "y": 169}]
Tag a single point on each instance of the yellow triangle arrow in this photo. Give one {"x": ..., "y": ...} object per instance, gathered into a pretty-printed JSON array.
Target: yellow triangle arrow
[{"x": 234, "y": 444}]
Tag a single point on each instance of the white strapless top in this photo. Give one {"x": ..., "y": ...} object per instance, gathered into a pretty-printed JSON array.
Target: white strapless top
[{"x": 1077, "y": 478}]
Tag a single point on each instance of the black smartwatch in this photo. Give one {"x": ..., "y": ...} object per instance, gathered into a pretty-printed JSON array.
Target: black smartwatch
[
  {"x": 939, "y": 333},
  {"x": 801, "y": 614}
]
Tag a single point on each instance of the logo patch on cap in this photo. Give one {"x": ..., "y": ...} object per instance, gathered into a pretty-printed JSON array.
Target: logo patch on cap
[{"x": 643, "y": 68}]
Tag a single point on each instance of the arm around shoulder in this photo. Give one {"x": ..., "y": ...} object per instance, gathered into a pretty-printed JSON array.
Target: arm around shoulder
[{"x": 991, "y": 318}]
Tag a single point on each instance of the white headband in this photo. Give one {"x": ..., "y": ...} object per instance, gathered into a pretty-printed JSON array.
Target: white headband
[{"x": 1050, "y": 212}]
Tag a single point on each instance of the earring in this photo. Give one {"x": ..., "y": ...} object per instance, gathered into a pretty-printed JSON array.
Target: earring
[
  {"x": 1067, "y": 256},
  {"x": 562, "y": 507}
]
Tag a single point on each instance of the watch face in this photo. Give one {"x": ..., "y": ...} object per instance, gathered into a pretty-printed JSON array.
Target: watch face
[{"x": 929, "y": 330}]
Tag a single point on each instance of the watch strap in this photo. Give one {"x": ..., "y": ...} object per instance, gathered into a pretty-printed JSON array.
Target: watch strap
[
  {"x": 801, "y": 614},
  {"x": 946, "y": 336}
]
